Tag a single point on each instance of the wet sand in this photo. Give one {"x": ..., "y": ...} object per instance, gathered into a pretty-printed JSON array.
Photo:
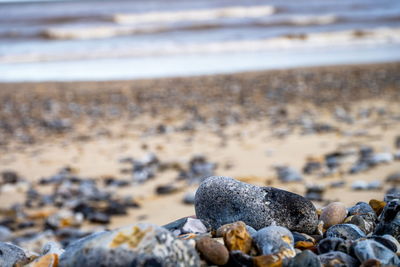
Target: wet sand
[{"x": 246, "y": 123}]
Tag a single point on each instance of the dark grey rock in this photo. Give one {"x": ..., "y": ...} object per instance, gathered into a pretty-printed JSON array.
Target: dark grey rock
[
  {"x": 389, "y": 220},
  {"x": 338, "y": 258},
  {"x": 360, "y": 208},
  {"x": 305, "y": 258},
  {"x": 365, "y": 222},
  {"x": 345, "y": 231},
  {"x": 370, "y": 249},
  {"x": 11, "y": 255},
  {"x": 222, "y": 200},
  {"x": 332, "y": 244},
  {"x": 274, "y": 239},
  {"x": 239, "y": 259},
  {"x": 135, "y": 245}
]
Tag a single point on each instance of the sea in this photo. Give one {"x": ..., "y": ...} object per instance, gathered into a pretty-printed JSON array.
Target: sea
[{"x": 97, "y": 40}]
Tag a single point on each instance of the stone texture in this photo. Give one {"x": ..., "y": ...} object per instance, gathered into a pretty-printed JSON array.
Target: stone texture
[
  {"x": 305, "y": 258},
  {"x": 370, "y": 249},
  {"x": 389, "y": 220},
  {"x": 334, "y": 213},
  {"x": 11, "y": 255},
  {"x": 337, "y": 258},
  {"x": 345, "y": 231},
  {"x": 237, "y": 238},
  {"x": 136, "y": 245},
  {"x": 332, "y": 244},
  {"x": 360, "y": 208},
  {"x": 213, "y": 251},
  {"x": 275, "y": 240},
  {"x": 221, "y": 200}
]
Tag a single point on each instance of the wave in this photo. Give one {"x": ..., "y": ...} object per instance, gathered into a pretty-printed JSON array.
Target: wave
[
  {"x": 195, "y": 15},
  {"x": 292, "y": 41}
]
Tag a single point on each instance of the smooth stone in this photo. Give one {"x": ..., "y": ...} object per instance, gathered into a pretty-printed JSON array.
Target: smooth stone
[
  {"x": 251, "y": 230},
  {"x": 302, "y": 237},
  {"x": 11, "y": 255},
  {"x": 360, "y": 208},
  {"x": 393, "y": 178},
  {"x": 48, "y": 260},
  {"x": 213, "y": 251},
  {"x": 377, "y": 206},
  {"x": 385, "y": 241},
  {"x": 5, "y": 234},
  {"x": 176, "y": 225},
  {"x": 188, "y": 198},
  {"x": 275, "y": 240},
  {"x": 267, "y": 261},
  {"x": 334, "y": 213},
  {"x": 365, "y": 222},
  {"x": 338, "y": 258},
  {"x": 52, "y": 248},
  {"x": 194, "y": 226},
  {"x": 136, "y": 245},
  {"x": 287, "y": 174},
  {"x": 305, "y": 258},
  {"x": 239, "y": 259},
  {"x": 345, "y": 231},
  {"x": 221, "y": 231},
  {"x": 370, "y": 249},
  {"x": 221, "y": 200},
  {"x": 332, "y": 244},
  {"x": 389, "y": 220},
  {"x": 237, "y": 238},
  {"x": 394, "y": 241}
]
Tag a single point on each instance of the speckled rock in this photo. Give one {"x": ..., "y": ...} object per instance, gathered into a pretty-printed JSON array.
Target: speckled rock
[
  {"x": 213, "y": 251},
  {"x": 236, "y": 237},
  {"x": 334, "y": 213},
  {"x": 222, "y": 200},
  {"x": 136, "y": 245},
  {"x": 345, "y": 231},
  {"x": 12, "y": 255},
  {"x": 377, "y": 206},
  {"x": 332, "y": 244},
  {"x": 370, "y": 249},
  {"x": 305, "y": 258},
  {"x": 275, "y": 240},
  {"x": 337, "y": 258}
]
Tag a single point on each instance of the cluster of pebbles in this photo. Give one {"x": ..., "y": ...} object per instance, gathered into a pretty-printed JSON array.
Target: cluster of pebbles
[{"x": 238, "y": 224}]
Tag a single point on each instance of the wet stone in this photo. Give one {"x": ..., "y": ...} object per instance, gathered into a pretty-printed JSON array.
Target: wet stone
[
  {"x": 333, "y": 214},
  {"x": 275, "y": 240},
  {"x": 338, "y": 258},
  {"x": 345, "y": 231},
  {"x": 11, "y": 255},
  {"x": 222, "y": 200},
  {"x": 370, "y": 249},
  {"x": 213, "y": 251},
  {"x": 136, "y": 245},
  {"x": 305, "y": 258},
  {"x": 332, "y": 244}
]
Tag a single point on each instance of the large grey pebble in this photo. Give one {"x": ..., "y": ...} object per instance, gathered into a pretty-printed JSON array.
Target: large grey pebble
[
  {"x": 136, "y": 245},
  {"x": 222, "y": 200},
  {"x": 370, "y": 249},
  {"x": 345, "y": 231},
  {"x": 11, "y": 255},
  {"x": 275, "y": 239}
]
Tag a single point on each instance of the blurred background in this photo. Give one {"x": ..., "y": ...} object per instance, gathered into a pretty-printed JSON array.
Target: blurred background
[{"x": 103, "y": 40}]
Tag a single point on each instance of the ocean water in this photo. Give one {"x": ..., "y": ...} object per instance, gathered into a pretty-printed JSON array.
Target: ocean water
[{"x": 115, "y": 39}]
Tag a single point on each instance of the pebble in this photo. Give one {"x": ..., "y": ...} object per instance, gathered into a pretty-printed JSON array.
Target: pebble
[
  {"x": 239, "y": 259},
  {"x": 334, "y": 213},
  {"x": 48, "y": 260},
  {"x": 222, "y": 200},
  {"x": 136, "y": 245},
  {"x": 236, "y": 237},
  {"x": 287, "y": 174},
  {"x": 360, "y": 208},
  {"x": 12, "y": 255},
  {"x": 305, "y": 258},
  {"x": 332, "y": 244},
  {"x": 338, "y": 258},
  {"x": 275, "y": 240},
  {"x": 188, "y": 198},
  {"x": 5, "y": 233},
  {"x": 393, "y": 178},
  {"x": 370, "y": 249},
  {"x": 195, "y": 226},
  {"x": 213, "y": 251},
  {"x": 52, "y": 248},
  {"x": 394, "y": 241},
  {"x": 365, "y": 222},
  {"x": 36, "y": 242},
  {"x": 390, "y": 220},
  {"x": 345, "y": 231},
  {"x": 377, "y": 206},
  {"x": 267, "y": 260}
]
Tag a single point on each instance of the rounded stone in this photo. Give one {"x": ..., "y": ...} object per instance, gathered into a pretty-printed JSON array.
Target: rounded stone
[
  {"x": 370, "y": 249},
  {"x": 213, "y": 251},
  {"x": 12, "y": 255},
  {"x": 275, "y": 240},
  {"x": 333, "y": 214},
  {"x": 136, "y": 245},
  {"x": 360, "y": 208},
  {"x": 345, "y": 231},
  {"x": 221, "y": 200}
]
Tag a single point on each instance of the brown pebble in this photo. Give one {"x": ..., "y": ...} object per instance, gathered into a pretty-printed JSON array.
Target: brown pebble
[
  {"x": 213, "y": 251},
  {"x": 377, "y": 205},
  {"x": 333, "y": 214},
  {"x": 267, "y": 261},
  {"x": 221, "y": 231},
  {"x": 48, "y": 260},
  {"x": 236, "y": 237}
]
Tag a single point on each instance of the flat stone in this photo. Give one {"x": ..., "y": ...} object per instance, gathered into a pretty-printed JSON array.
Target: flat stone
[
  {"x": 334, "y": 213},
  {"x": 136, "y": 245},
  {"x": 213, "y": 251},
  {"x": 345, "y": 231},
  {"x": 370, "y": 249},
  {"x": 275, "y": 240},
  {"x": 222, "y": 200},
  {"x": 11, "y": 255}
]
